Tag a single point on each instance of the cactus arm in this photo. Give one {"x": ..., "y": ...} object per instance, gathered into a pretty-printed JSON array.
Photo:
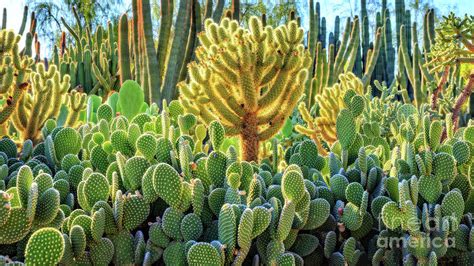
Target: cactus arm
[
  {"x": 152, "y": 90},
  {"x": 312, "y": 45},
  {"x": 420, "y": 95},
  {"x": 369, "y": 68},
  {"x": 7, "y": 111},
  {"x": 195, "y": 27},
  {"x": 164, "y": 37},
  {"x": 405, "y": 55},
  {"x": 351, "y": 48},
  {"x": 74, "y": 35},
  {"x": 390, "y": 51},
  {"x": 23, "y": 21},
  {"x": 77, "y": 103},
  {"x": 135, "y": 43},
  {"x": 354, "y": 55},
  {"x": 208, "y": 9},
  {"x": 344, "y": 43},
  {"x": 124, "y": 56},
  {"x": 4, "y": 18},
  {"x": 461, "y": 100},
  {"x": 437, "y": 91},
  {"x": 78, "y": 20},
  {"x": 221, "y": 107},
  {"x": 176, "y": 56},
  {"x": 217, "y": 14},
  {"x": 236, "y": 10}
]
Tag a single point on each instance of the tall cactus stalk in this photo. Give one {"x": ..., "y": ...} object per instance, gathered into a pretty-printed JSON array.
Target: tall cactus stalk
[{"x": 159, "y": 70}]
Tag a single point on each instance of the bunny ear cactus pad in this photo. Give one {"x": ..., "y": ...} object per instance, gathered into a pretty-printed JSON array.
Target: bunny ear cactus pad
[
  {"x": 203, "y": 254},
  {"x": 66, "y": 141},
  {"x": 444, "y": 167},
  {"x": 5, "y": 207},
  {"x": 105, "y": 112},
  {"x": 346, "y": 128},
  {"x": 135, "y": 211},
  {"x": 147, "y": 145},
  {"x": 217, "y": 134},
  {"x": 292, "y": 185},
  {"x": 45, "y": 247},
  {"x": 130, "y": 99},
  {"x": 453, "y": 205},
  {"x": 167, "y": 184},
  {"x": 96, "y": 188},
  {"x": 16, "y": 227}
]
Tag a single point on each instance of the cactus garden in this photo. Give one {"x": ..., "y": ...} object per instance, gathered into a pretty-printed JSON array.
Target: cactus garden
[{"x": 197, "y": 132}]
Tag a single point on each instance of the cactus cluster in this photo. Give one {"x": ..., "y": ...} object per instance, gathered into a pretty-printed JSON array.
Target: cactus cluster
[
  {"x": 91, "y": 61},
  {"x": 249, "y": 79},
  {"x": 339, "y": 161}
]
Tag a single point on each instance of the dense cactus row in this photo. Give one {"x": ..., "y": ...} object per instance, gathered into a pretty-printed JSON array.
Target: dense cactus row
[
  {"x": 340, "y": 161},
  {"x": 149, "y": 186}
]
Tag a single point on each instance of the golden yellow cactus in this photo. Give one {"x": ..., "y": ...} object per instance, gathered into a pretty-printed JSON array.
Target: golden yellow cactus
[
  {"x": 14, "y": 68},
  {"x": 47, "y": 92},
  {"x": 330, "y": 102},
  {"x": 248, "y": 79}
]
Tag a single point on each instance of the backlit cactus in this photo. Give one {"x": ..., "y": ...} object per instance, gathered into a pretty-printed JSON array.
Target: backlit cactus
[
  {"x": 249, "y": 71},
  {"x": 120, "y": 181}
]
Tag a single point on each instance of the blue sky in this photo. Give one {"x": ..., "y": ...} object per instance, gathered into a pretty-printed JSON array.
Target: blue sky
[{"x": 329, "y": 9}]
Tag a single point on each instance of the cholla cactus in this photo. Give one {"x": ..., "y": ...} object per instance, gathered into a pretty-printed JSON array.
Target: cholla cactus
[
  {"x": 14, "y": 70},
  {"x": 48, "y": 92},
  {"x": 250, "y": 80},
  {"x": 330, "y": 102}
]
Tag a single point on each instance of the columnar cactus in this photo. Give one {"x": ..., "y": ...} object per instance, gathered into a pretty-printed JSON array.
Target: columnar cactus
[
  {"x": 244, "y": 79},
  {"x": 158, "y": 70},
  {"x": 92, "y": 60}
]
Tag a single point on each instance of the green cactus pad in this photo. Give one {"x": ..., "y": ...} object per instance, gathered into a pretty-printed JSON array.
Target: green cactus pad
[
  {"x": 16, "y": 227},
  {"x": 292, "y": 186},
  {"x": 135, "y": 211},
  {"x": 430, "y": 188},
  {"x": 203, "y": 254},
  {"x": 453, "y": 204},
  {"x": 48, "y": 206},
  {"x": 102, "y": 251},
  {"x": 286, "y": 220},
  {"x": 134, "y": 169},
  {"x": 157, "y": 235},
  {"x": 391, "y": 215},
  {"x": 174, "y": 254},
  {"x": 96, "y": 188},
  {"x": 443, "y": 166},
  {"x": 345, "y": 128},
  {"x": 66, "y": 141},
  {"x": 216, "y": 168},
  {"x": 171, "y": 223},
  {"x": 167, "y": 184},
  {"x": 23, "y": 183},
  {"x": 191, "y": 227},
  {"x": 78, "y": 240},
  {"x": 227, "y": 227},
  {"x": 461, "y": 152},
  {"x": 216, "y": 133},
  {"x": 338, "y": 185},
  {"x": 319, "y": 210},
  {"x": 130, "y": 99},
  {"x": 45, "y": 247},
  {"x": 147, "y": 145}
]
